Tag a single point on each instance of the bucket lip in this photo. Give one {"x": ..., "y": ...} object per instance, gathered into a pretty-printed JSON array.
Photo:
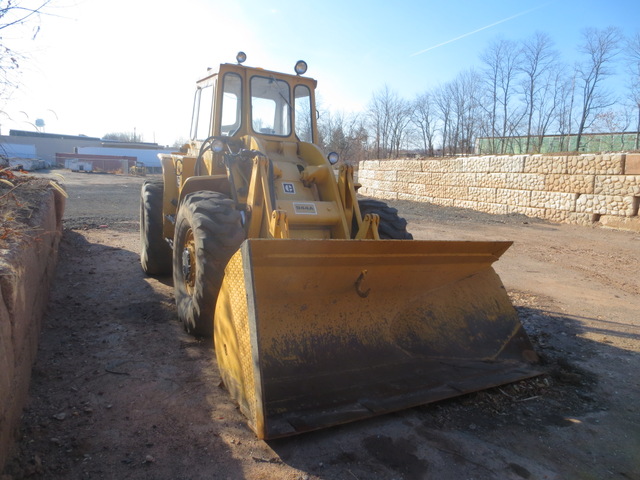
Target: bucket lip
[
  {"x": 294, "y": 422},
  {"x": 490, "y": 251},
  {"x": 369, "y": 240}
]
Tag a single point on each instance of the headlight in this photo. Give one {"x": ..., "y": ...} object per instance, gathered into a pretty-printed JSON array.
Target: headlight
[
  {"x": 301, "y": 67},
  {"x": 217, "y": 146},
  {"x": 241, "y": 57},
  {"x": 333, "y": 158}
]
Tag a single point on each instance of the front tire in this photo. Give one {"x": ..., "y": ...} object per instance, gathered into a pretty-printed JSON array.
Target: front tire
[
  {"x": 392, "y": 226},
  {"x": 208, "y": 232},
  {"x": 155, "y": 252}
]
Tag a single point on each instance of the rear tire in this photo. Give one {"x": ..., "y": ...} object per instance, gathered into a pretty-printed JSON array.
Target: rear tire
[
  {"x": 208, "y": 232},
  {"x": 155, "y": 252},
  {"x": 392, "y": 226}
]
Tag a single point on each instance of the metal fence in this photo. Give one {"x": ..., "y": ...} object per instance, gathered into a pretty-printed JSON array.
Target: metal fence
[{"x": 590, "y": 143}]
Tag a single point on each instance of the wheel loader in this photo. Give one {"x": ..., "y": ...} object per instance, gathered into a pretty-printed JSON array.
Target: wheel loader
[
  {"x": 322, "y": 307},
  {"x": 138, "y": 169}
]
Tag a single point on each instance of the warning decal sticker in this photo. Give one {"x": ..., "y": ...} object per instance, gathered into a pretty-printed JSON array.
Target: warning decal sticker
[
  {"x": 289, "y": 188},
  {"x": 305, "y": 208}
]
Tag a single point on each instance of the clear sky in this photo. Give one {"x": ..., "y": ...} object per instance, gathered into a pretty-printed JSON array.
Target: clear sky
[{"x": 103, "y": 66}]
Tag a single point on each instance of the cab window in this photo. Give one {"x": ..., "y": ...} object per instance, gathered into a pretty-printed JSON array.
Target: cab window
[
  {"x": 202, "y": 113},
  {"x": 303, "y": 118},
  {"x": 270, "y": 106},
  {"x": 230, "y": 119}
]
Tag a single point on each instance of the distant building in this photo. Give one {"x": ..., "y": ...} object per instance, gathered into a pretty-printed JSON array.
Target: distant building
[
  {"x": 46, "y": 145},
  {"x": 16, "y": 150},
  {"x": 20, "y": 156},
  {"x": 22, "y": 145},
  {"x": 147, "y": 155}
]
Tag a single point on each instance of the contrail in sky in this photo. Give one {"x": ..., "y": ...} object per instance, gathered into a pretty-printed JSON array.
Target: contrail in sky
[{"x": 479, "y": 29}]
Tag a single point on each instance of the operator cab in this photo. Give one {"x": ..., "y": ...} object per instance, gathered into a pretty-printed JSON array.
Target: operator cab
[{"x": 280, "y": 106}]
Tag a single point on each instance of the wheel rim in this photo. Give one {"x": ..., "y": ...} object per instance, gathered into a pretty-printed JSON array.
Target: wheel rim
[{"x": 189, "y": 262}]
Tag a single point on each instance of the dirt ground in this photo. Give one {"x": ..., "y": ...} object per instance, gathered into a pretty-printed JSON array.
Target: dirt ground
[{"x": 120, "y": 391}]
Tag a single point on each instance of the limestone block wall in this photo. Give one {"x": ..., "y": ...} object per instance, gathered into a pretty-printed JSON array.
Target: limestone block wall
[
  {"x": 26, "y": 270},
  {"x": 580, "y": 189}
]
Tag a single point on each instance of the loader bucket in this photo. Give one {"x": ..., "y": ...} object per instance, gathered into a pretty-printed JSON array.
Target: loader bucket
[{"x": 314, "y": 333}]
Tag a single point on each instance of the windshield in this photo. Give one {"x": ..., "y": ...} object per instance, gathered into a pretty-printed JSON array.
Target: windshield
[{"x": 270, "y": 106}]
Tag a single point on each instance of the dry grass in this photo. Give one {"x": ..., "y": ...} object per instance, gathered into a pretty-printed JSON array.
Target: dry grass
[{"x": 20, "y": 197}]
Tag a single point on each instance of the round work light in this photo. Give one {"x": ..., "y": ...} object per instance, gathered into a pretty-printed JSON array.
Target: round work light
[
  {"x": 217, "y": 146},
  {"x": 301, "y": 67}
]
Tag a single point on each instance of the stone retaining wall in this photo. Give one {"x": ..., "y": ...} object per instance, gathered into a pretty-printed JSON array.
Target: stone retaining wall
[
  {"x": 580, "y": 189},
  {"x": 26, "y": 270}
]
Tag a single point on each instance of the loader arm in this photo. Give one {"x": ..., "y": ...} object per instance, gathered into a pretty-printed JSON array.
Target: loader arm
[{"x": 348, "y": 195}]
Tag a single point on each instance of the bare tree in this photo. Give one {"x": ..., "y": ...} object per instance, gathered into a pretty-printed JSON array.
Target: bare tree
[
  {"x": 501, "y": 60},
  {"x": 566, "y": 106},
  {"x": 400, "y": 125},
  {"x": 378, "y": 115},
  {"x": 523, "y": 94},
  {"x": 633, "y": 65},
  {"x": 492, "y": 58},
  {"x": 424, "y": 118},
  {"x": 537, "y": 56},
  {"x": 455, "y": 93},
  {"x": 389, "y": 117},
  {"x": 444, "y": 108},
  {"x": 15, "y": 13},
  {"x": 344, "y": 134},
  {"x": 600, "y": 48},
  {"x": 550, "y": 101},
  {"x": 611, "y": 121},
  {"x": 464, "y": 91},
  {"x": 129, "y": 137}
]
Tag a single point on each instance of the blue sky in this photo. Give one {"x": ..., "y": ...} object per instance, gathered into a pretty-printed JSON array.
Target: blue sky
[{"x": 101, "y": 66}]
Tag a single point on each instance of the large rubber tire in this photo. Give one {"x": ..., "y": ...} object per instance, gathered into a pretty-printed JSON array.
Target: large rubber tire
[
  {"x": 392, "y": 226},
  {"x": 155, "y": 252},
  {"x": 208, "y": 232}
]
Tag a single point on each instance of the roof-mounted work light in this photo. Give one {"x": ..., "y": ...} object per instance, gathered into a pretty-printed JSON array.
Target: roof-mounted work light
[
  {"x": 241, "y": 57},
  {"x": 301, "y": 67}
]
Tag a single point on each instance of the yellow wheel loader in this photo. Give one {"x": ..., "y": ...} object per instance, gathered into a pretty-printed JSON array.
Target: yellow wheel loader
[
  {"x": 323, "y": 308},
  {"x": 138, "y": 169}
]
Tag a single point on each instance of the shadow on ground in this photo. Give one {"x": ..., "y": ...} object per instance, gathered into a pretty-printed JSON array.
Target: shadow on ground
[{"x": 117, "y": 389}]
